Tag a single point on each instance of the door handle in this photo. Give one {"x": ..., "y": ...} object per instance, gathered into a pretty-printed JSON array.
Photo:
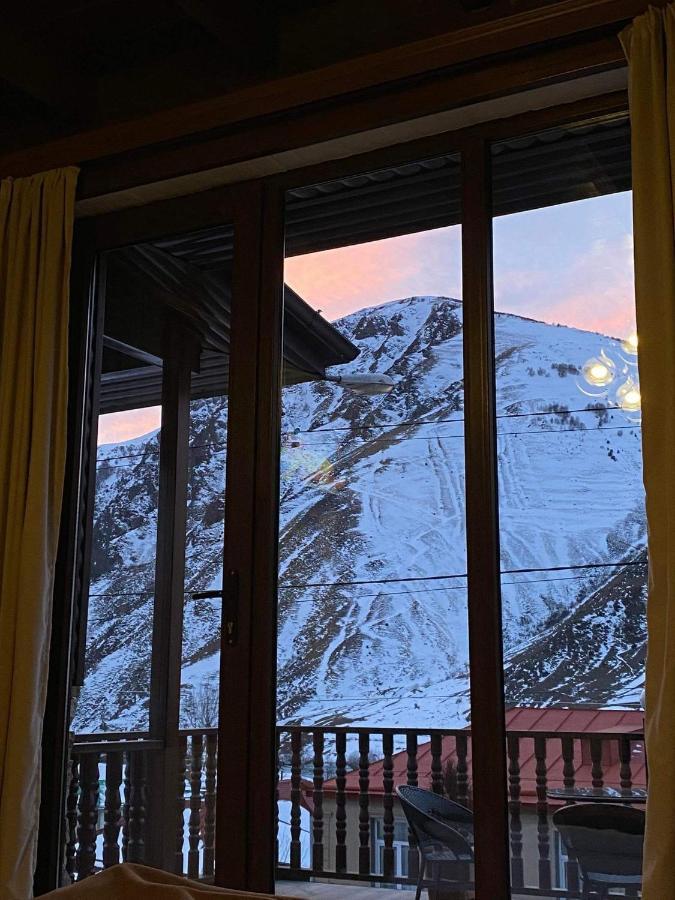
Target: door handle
[{"x": 229, "y": 594}]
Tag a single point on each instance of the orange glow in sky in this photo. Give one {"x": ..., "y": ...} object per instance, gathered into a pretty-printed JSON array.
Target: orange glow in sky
[
  {"x": 343, "y": 280},
  {"x": 122, "y": 426}
]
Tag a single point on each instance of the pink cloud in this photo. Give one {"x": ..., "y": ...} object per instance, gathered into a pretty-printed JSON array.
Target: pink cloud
[
  {"x": 122, "y": 426},
  {"x": 595, "y": 293},
  {"x": 343, "y": 280}
]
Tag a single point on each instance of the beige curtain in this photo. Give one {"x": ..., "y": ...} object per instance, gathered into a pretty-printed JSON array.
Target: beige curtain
[
  {"x": 650, "y": 47},
  {"x": 36, "y": 225}
]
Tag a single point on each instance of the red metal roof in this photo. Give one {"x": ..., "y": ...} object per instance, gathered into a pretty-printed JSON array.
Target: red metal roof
[{"x": 580, "y": 721}]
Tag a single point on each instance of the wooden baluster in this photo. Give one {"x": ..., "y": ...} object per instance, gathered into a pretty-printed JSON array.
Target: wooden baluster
[
  {"x": 296, "y": 820},
  {"x": 210, "y": 803},
  {"x": 569, "y": 780},
  {"x": 364, "y": 816},
  {"x": 195, "y": 804},
  {"x": 340, "y": 812},
  {"x": 317, "y": 797},
  {"x": 113, "y": 809},
  {"x": 125, "y": 809},
  {"x": 569, "y": 771},
  {"x": 626, "y": 781},
  {"x": 462, "y": 749},
  {"x": 71, "y": 816},
  {"x": 276, "y": 798},
  {"x": 625, "y": 771},
  {"x": 517, "y": 873},
  {"x": 388, "y": 862},
  {"x": 179, "y": 862},
  {"x": 87, "y": 819},
  {"x": 436, "y": 764},
  {"x": 543, "y": 836},
  {"x": 597, "y": 774},
  {"x": 136, "y": 811},
  {"x": 411, "y": 778}
]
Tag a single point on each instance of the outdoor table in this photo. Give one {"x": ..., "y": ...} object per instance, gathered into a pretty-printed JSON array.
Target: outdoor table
[{"x": 598, "y": 795}]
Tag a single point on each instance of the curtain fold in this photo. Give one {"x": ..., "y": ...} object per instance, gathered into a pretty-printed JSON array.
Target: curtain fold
[
  {"x": 649, "y": 44},
  {"x": 36, "y": 226}
]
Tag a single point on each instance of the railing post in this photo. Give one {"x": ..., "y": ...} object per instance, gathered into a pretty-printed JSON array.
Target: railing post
[
  {"x": 195, "y": 804},
  {"x": 126, "y": 762},
  {"x": 340, "y": 812},
  {"x": 597, "y": 773},
  {"x": 411, "y": 778},
  {"x": 462, "y": 746},
  {"x": 543, "y": 836},
  {"x": 296, "y": 820},
  {"x": 517, "y": 873},
  {"x": 625, "y": 772},
  {"x": 388, "y": 804},
  {"x": 317, "y": 798},
  {"x": 569, "y": 780},
  {"x": 276, "y": 798},
  {"x": 136, "y": 807},
  {"x": 210, "y": 803},
  {"x": 436, "y": 764},
  {"x": 88, "y": 816},
  {"x": 113, "y": 809},
  {"x": 71, "y": 816},
  {"x": 364, "y": 817},
  {"x": 180, "y": 805}
]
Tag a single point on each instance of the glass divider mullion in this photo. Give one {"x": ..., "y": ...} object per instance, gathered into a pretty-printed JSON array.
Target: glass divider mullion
[{"x": 488, "y": 739}]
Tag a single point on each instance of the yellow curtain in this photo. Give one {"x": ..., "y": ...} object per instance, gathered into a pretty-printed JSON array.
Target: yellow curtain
[
  {"x": 36, "y": 225},
  {"x": 649, "y": 44}
]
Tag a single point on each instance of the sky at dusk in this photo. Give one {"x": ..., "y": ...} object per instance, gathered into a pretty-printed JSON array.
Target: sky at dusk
[{"x": 570, "y": 264}]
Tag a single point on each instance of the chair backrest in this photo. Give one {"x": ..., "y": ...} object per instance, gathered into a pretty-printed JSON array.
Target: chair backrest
[
  {"x": 436, "y": 820},
  {"x": 605, "y": 838}
]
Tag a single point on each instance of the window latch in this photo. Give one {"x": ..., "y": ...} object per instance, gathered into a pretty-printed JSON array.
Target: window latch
[{"x": 229, "y": 594}]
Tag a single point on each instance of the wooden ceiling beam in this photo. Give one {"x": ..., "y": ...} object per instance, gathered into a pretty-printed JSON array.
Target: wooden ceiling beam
[{"x": 42, "y": 72}]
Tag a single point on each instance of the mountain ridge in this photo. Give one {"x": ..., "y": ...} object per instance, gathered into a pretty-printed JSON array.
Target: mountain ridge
[{"x": 372, "y": 598}]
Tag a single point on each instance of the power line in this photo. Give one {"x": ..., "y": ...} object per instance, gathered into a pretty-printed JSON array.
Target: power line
[
  {"x": 519, "y": 415},
  {"x": 406, "y": 422},
  {"x": 396, "y": 593},
  {"x": 411, "y": 578},
  {"x": 442, "y": 437},
  {"x": 457, "y": 588},
  {"x": 155, "y": 450}
]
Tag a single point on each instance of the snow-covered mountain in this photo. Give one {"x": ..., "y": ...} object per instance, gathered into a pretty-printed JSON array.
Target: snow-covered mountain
[{"x": 372, "y": 587}]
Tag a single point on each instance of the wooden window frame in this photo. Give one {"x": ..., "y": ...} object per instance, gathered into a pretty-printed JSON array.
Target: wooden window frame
[{"x": 245, "y": 854}]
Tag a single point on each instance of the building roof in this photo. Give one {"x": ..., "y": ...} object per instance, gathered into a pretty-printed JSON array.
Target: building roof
[{"x": 582, "y": 723}]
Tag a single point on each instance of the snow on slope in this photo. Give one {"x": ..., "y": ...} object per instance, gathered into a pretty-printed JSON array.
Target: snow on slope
[{"x": 372, "y": 599}]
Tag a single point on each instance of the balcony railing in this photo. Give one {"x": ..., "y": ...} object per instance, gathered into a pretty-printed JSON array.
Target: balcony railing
[{"x": 341, "y": 782}]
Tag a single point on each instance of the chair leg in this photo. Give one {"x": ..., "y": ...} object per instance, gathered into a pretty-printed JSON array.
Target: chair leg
[{"x": 420, "y": 880}]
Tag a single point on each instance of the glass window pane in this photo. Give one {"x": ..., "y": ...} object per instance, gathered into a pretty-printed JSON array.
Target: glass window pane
[
  {"x": 571, "y": 502},
  {"x": 116, "y": 688},
  {"x": 372, "y": 628}
]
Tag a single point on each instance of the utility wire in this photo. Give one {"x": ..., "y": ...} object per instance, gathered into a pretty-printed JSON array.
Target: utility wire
[
  {"x": 397, "y": 593},
  {"x": 462, "y": 575},
  {"x": 417, "y": 422}
]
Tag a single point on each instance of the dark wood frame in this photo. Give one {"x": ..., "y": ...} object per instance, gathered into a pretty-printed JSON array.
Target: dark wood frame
[{"x": 248, "y": 669}]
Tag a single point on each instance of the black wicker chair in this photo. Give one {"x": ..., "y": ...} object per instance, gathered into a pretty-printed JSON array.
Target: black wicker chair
[
  {"x": 607, "y": 843},
  {"x": 444, "y": 833}
]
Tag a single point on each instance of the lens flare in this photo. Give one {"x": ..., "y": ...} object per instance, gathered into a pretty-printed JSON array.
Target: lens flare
[
  {"x": 630, "y": 344},
  {"x": 628, "y": 396},
  {"x": 599, "y": 371}
]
